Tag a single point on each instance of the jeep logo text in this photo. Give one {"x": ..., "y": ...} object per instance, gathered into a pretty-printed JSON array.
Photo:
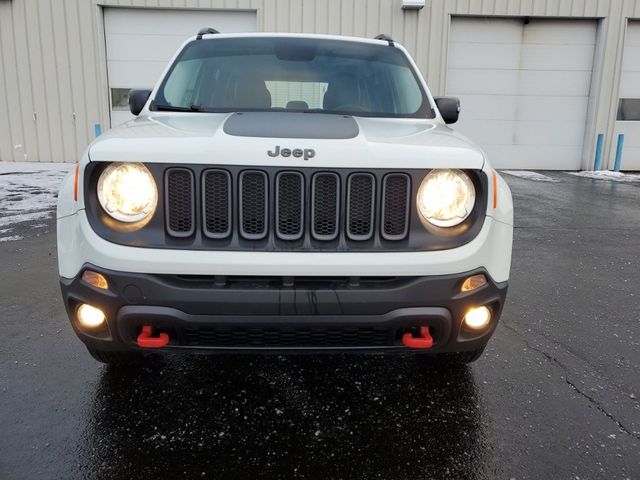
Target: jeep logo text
[{"x": 306, "y": 153}]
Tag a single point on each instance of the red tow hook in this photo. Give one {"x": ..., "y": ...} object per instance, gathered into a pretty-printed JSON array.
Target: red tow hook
[
  {"x": 425, "y": 340},
  {"x": 145, "y": 340}
]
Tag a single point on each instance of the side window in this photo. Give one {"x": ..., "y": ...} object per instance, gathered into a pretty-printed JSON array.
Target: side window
[
  {"x": 180, "y": 88},
  {"x": 629, "y": 110}
]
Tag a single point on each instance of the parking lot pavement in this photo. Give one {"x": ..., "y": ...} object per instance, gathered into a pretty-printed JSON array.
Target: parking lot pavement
[{"x": 555, "y": 396}]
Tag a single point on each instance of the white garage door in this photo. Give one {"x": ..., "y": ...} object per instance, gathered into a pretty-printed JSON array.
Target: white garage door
[
  {"x": 629, "y": 107},
  {"x": 140, "y": 42},
  {"x": 524, "y": 88}
]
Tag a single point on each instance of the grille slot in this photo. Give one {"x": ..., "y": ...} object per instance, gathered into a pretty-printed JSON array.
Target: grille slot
[
  {"x": 180, "y": 208},
  {"x": 216, "y": 193},
  {"x": 396, "y": 190},
  {"x": 289, "y": 205},
  {"x": 360, "y": 206},
  {"x": 288, "y": 337},
  {"x": 253, "y": 204},
  {"x": 325, "y": 206}
]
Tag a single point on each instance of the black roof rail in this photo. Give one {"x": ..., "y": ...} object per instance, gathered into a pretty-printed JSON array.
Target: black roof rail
[
  {"x": 384, "y": 36},
  {"x": 206, "y": 31}
]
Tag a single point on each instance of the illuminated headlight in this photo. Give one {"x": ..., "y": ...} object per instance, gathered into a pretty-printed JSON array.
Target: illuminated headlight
[
  {"x": 446, "y": 197},
  {"x": 127, "y": 192}
]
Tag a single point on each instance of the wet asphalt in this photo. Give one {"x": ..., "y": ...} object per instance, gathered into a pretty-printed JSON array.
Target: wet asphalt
[{"x": 556, "y": 394}]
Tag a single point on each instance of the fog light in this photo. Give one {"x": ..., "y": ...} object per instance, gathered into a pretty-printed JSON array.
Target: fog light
[
  {"x": 477, "y": 318},
  {"x": 95, "y": 279},
  {"x": 90, "y": 316},
  {"x": 473, "y": 283}
]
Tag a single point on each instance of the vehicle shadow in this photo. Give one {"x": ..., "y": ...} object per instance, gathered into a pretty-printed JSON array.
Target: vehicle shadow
[{"x": 285, "y": 417}]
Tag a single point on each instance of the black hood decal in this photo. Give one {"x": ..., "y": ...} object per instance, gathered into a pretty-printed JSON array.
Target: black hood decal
[{"x": 291, "y": 125}]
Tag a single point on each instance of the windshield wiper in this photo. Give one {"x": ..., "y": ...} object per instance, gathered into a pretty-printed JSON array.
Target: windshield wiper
[{"x": 171, "y": 108}]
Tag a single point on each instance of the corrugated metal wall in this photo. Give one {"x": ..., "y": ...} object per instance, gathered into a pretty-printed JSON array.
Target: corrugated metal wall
[{"x": 53, "y": 86}]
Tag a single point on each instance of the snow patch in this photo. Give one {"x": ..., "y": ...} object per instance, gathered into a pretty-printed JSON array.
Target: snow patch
[
  {"x": 12, "y": 238},
  {"x": 22, "y": 167},
  {"x": 24, "y": 217},
  {"x": 29, "y": 191},
  {"x": 526, "y": 174},
  {"x": 608, "y": 175}
]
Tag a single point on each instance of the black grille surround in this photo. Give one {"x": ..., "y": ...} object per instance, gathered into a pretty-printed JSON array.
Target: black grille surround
[{"x": 290, "y": 218}]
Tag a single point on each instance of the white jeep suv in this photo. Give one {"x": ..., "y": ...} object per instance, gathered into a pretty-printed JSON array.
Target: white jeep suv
[{"x": 285, "y": 193}]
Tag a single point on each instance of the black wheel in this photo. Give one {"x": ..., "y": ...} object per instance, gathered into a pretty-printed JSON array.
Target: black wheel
[
  {"x": 117, "y": 359},
  {"x": 453, "y": 359}
]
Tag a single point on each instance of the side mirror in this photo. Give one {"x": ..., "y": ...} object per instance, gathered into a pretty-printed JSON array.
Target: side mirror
[
  {"x": 137, "y": 100},
  {"x": 449, "y": 108}
]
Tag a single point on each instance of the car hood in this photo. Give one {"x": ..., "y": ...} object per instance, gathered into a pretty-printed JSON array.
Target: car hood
[{"x": 246, "y": 139}]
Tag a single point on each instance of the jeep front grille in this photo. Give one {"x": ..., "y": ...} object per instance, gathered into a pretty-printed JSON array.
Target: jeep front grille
[{"x": 288, "y": 206}]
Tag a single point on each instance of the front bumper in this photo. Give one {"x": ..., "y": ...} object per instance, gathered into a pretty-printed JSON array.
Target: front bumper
[{"x": 258, "y": 313}]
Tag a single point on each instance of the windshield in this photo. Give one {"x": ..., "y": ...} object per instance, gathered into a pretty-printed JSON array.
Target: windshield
[{"x": 293, "y": 74}]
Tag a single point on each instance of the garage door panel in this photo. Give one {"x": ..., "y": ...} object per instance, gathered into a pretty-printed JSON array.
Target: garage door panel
[
  {"x": 631, "y": 159},
  {"x": 549, "y": 133},
  {"x": 565, "y": 109},
  {"x": 630, "y": 85},
  {"x": 560, "y": 32},
  {"x": 555, "y": 83},
  {"x": 144, "y": 75},
  {"x": 633, "y": 34},
  {"x": 631, "y": 58},
  {"x": 489, "y": 82},
  {"x": 539, "y": 157},
  {"x": 493, "y": 132},
  {"x": 516, "y": 57},
  {"x": 181, "y": 22},
  {"x": 484, "y": 56},
  {"x": 510, "y": 107},
  {"x": 560, "y": 57},
  {"x": 485, "y": 30},
  {"x": 518, "y": 82},
  {"x": 631, "y": 132},
  {"x": 504, "y": 132},
  {"x": 147, "y": 47},
  {"x": 488, "y": 107}
]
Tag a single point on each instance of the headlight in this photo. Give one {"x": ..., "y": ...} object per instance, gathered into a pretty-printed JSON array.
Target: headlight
[
  {"x": 127, "y": 192},
  {"x": 446, "y": 197}
]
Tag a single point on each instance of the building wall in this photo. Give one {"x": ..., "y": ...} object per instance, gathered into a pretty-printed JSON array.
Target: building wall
[{"x": 53, "y": 85}]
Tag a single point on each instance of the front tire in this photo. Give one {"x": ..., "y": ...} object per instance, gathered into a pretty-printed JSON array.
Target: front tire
[{"x": 117, "y": 359}]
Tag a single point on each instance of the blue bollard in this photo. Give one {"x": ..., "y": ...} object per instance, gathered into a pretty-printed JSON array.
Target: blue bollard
[
  {"x": 98, "y": 129},
  {"x": 617, "y": 165},
  {"x": 599, "y": 144}
]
